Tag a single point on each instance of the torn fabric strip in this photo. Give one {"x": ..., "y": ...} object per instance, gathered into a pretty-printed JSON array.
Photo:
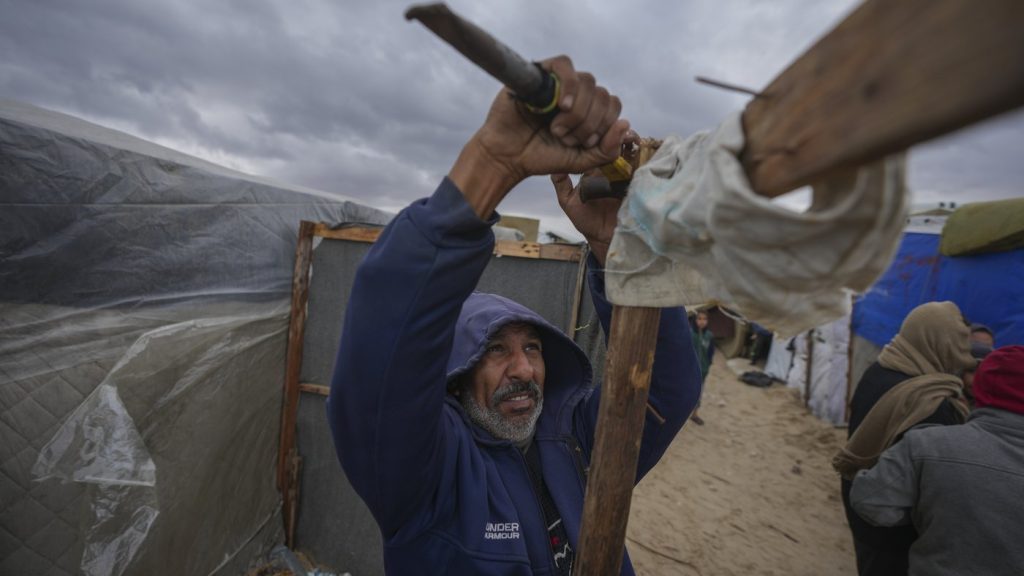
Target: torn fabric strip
[{"x": 692, "y": 231}]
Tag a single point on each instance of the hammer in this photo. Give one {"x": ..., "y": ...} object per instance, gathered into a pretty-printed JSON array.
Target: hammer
[{"x": 535, "y": 87}]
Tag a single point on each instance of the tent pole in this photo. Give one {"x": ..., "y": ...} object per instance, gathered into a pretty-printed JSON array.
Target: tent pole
[
  {"x": 288, "y": 460},
  {"x": 810, "y": 368},
  {"x": 634, "y": 333}
]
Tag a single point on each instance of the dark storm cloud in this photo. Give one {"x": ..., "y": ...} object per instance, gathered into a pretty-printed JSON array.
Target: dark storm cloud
[
  {"x": 348, "y": 97},
  {"x": 981, "y": 162}
]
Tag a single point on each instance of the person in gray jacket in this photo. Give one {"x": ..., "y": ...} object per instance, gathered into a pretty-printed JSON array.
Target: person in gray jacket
[{"x": 962, "y": 486}]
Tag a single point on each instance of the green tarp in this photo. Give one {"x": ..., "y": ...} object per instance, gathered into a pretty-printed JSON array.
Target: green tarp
[{"x": 984, "y": 227}]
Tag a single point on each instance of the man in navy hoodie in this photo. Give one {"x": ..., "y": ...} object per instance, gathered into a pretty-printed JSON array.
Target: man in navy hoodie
[{"x": 465, "y": 420}]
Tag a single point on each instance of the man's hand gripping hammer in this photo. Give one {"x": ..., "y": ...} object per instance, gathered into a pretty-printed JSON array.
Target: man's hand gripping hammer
[{"x": 535, "y": 87}]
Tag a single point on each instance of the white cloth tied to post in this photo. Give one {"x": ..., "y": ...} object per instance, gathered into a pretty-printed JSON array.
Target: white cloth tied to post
[{"x": 692, "y": 231}]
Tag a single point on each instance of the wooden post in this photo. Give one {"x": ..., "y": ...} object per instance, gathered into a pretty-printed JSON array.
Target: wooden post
[
  {"x": 892, "y": 74},
  {"x": 287, "y": 453},
  {"x": 849, "y": 363},
  {"x": 810, "y": 368},
  {"x": 577, "y": 293},
  {"x": 634, "y": 332}
]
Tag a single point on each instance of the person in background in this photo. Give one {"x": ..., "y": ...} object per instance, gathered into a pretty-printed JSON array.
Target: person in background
[
  {"x": 959, "y": 486},
  {"x": 983, "y": 335},
  {"x": 760, "y": 342},
  {"x": 980, "y": 352},
  {"x": 915, "y": 380},
  {"x": 704, "y": 347}
]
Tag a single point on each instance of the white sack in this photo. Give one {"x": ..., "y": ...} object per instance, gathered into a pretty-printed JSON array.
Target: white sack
[{"x": 692, "y": 231}]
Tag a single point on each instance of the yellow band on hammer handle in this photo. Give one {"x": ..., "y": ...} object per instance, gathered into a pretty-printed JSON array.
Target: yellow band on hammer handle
[{"x": 553, "y": 104}]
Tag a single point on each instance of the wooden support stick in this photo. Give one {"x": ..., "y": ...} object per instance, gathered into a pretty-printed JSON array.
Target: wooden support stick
[
  {"x": 291, "y": 499},
  {"x": 894, "y": 73},
  {"x": 849, "y": 362},
  {"x": 809, "y": 375},
  {"x": 577, "y": 294},
  {"x": 634, "y": 332},
  {"x": 287, "y": 455}
]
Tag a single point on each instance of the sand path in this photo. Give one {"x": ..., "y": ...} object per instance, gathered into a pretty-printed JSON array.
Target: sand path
[{"x": 750, "y": 492}]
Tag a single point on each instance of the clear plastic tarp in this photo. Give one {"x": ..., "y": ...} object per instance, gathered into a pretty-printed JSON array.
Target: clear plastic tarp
[{"x": 143, "y": 316}]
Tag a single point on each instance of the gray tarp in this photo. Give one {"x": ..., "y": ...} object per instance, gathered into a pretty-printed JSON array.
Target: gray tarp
[{"x": 143, "y": 316}]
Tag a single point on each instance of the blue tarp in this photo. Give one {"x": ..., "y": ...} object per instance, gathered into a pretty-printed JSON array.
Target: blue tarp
[{"x": 988, "y": 288}]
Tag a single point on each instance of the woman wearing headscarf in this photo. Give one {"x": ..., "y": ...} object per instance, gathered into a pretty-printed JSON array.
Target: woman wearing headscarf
[
  {"x": 916, "y": 380},
  {"x": 960, "y": 486}
]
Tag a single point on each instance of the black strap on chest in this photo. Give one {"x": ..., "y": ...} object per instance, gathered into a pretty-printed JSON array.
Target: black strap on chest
[{"x": 557, "y": 536}]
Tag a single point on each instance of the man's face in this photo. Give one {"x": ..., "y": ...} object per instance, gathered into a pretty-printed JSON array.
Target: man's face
[
  {"x": 983, "y": 337},
  {"x": 505, "y": 390}
]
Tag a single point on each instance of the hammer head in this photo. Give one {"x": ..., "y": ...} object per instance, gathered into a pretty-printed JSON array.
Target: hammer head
[
  {"x": 600, "y": 186},
  {"x": 614, "y": 178}
]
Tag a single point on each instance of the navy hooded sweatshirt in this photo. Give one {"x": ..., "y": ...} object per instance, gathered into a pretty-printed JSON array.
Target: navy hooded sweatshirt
[{"x": 448, "y": 497}]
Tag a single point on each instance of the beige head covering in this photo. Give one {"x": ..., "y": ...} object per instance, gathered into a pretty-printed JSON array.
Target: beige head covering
[
  {"x": 934, "y": 339},
  {"x": 933, "y": 346}
]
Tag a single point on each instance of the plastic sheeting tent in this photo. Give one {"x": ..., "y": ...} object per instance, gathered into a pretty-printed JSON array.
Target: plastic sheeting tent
[
  {"x": 986, "y": 287},
  {"x": 143, "y": 316},
  {"x": 825, "y": 396}
]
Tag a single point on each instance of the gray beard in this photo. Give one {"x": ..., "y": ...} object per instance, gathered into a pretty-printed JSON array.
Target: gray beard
[{"x": 518, "y": 431}]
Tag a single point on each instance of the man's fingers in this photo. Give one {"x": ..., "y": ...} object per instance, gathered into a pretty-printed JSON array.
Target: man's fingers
[
  {"x": 563, "y": 188},
  {"x": 567, "y": 125},
  {"x": 603, "y": 112},
  {"x": 587, "y": 123},
  {"x": 612, "y": 107},
  {"x": 631, "y": 138},
  {"x": 562, "y": 67},
  {"x": 611, "y": 143}
]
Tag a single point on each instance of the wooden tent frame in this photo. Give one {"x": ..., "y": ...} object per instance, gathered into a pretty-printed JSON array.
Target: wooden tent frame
[{"x": 289, "y": 461}]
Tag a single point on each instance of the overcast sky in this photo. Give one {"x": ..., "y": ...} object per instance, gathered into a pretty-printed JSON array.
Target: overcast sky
[{"x": 348, "y": 97}]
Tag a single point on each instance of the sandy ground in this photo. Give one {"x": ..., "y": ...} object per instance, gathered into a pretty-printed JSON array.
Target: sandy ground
[{"x": 750, "y": 492}]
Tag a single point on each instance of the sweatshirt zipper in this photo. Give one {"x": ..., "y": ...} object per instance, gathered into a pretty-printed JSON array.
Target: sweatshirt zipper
[
  {"x": 582, "y": 471},
  {"x": 540, "y": 506}
]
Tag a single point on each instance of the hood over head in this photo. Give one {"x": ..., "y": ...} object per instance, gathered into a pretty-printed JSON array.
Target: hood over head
[
  {"x": 934, "y": 339},
  {"x": 566, "y": 366}
]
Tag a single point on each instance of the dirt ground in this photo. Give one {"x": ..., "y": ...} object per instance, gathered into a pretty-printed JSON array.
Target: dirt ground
[{"x": 750, "y": 492}]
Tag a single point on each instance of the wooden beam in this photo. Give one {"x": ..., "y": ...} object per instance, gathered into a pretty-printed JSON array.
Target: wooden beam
[
  {"x": 517, "y": 249},
  {"x": 634, "y": 332},
  {"x": 892, "y": 74},
  {"x": 315, "y": 389},
  {"x": 287, "y": 454},
  {"x": 353, "y": 233},
  {"x": 566, "y": 252},
  {"x": 512, "y": 248}
]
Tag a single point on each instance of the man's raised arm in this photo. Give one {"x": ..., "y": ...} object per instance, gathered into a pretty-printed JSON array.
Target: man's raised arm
[{"x": 387, "y": 393}]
